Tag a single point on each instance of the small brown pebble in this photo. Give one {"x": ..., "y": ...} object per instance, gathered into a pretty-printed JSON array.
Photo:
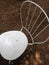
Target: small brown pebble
[
  {"x": 47, "y": 56},
  {"x": 48, "y": 45},
  {"x": 38, "y": 58},
  {"x": 30, "y": 49},
  {"x": 27, "y": 55},
  {"x": 35, "y": 62},
  {"x": 27, "y": 62}
]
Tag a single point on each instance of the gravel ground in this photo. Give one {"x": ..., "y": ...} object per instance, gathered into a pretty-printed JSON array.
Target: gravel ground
[{"x": 10, "y": 20}]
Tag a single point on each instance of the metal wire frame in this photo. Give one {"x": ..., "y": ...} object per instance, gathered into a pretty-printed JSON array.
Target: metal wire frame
[{"x": 27, "y": 29}]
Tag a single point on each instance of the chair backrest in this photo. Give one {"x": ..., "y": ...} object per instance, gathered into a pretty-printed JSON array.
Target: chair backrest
[{"x": 35, "y": 21}]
